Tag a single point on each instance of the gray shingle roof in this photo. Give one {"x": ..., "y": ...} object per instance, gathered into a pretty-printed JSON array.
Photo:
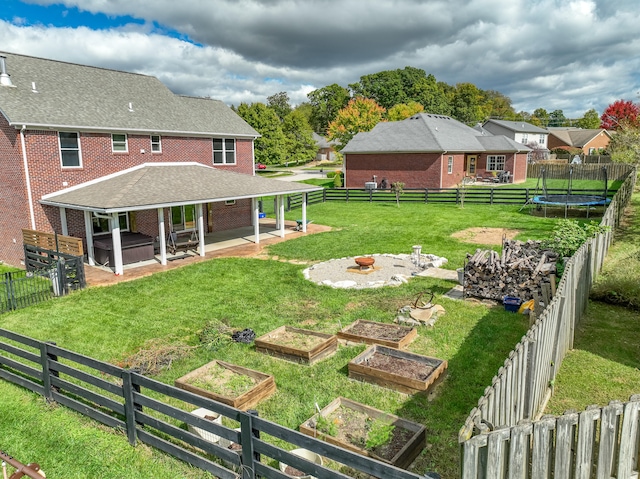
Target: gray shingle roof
[
  {"x": 428, "y": 133},
  {"x": 95, "y": 99},
  {"x": 517, "y": 126},
  {"x": 155, "y": 185}
]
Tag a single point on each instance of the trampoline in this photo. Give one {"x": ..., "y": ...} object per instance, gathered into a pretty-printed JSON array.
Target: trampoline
[{"x": 569, "y": 199}]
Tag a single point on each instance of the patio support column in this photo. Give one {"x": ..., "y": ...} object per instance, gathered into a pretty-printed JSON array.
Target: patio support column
[
  {"x": 63, "y": 221},
  {"x": 162, "y": 236},
  {"x": 88, "y": 228},
  {"x": 117, "y": 244},
  {"x": 276, "y": 210},
  {"x": 304, "y": 212},
  {"x": 256, "y": 219},
  {"x": 281, "y": 214},
  {"x": 200, "y": 229}
]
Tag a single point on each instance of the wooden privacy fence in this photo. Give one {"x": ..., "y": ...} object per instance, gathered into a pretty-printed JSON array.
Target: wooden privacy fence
[
  {"x": 596, "y": 443},
  {"x": 523, "y": 385},
  {"x": 615, "y": 171},
  {"x": 59, "y": 256},
  {"x": 156, "y": 414}
]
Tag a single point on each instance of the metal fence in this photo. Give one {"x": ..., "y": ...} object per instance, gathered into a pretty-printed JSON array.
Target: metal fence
[
  {"x": 496, "y": 437},
  {"x": 20, "y": 289}
]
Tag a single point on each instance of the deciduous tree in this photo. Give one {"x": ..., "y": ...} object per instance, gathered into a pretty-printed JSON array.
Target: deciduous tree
[
  {"x": 403, "y": 110},
  {"x": 620, "y": 112},
  {"x": 325, "y": 104},
  {"x": 624, "y": 146},
  {"x": 270, "y": 148},
  {"x": 361, "y": 114},
  {"x": 590, "y": 120}
]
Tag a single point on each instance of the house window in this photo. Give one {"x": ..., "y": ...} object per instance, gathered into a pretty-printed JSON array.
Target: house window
[
  {"x": 102, "y": 226},
  {"x": 224, "y": 151},
  {"x": 183, "y": 218},
  {"x": 450, "y": 165},
  {"x": 525, "y": 138},
  {"x": 541, "y": 140},
  {"x": 156, "y": 146},
  {"x": 70, "y": 149},
  {"x": 230, "y": 202},
  {"x": 119, "y": 143},
  {"x": 495, "y": 162}
]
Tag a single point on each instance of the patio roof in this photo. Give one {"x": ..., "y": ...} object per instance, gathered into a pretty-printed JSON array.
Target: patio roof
[{"x": 158, "y": 185}]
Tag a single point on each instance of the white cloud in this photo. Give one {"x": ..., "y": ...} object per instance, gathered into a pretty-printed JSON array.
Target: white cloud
[{"x": 551, "y": 54}]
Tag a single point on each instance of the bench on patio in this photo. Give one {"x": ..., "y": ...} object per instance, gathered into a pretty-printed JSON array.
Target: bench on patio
[{"x": 183, "y": 241}]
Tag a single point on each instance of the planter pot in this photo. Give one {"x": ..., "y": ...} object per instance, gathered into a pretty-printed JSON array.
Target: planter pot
[
  {"x": 373, "y": 332},
  {"x": 305, "y": 454},
  {"x": 263, "y": 384},
  {"x": 299, "y": 345},
  {"x": 402, "y": 371},
  {"x": 409, "y": 438},
  {"x": 209, "y": 415}
]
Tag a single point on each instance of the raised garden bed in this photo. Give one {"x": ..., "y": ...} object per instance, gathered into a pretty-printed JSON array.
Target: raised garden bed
[
  {"x": 368, "y": 431},
  {"x": 299, "y": 345},
  {"x": 229, "y": 384},
  {"x": 373, "y": 332},
  {"x": 402, "y": 371}
]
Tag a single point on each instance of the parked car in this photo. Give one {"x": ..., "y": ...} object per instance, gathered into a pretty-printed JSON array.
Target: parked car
[{"x": 261, "y": 166}]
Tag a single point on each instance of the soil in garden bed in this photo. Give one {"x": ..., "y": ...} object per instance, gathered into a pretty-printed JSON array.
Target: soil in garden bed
[
  {"x": 357, "y": 427},
  {"x": 296, "y": 340},
  {"x": 378, "y": 331},
  {"x": 399, "y": 366},
  {"x": 223, "y": 381}
]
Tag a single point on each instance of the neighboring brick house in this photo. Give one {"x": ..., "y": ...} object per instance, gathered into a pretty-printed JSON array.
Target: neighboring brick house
[
  {"x": 68, "y": 129},
  {"x": 522, "y": 132},
  {"x": 589, "y": 141},
  {"x": 430, "y": 151}
]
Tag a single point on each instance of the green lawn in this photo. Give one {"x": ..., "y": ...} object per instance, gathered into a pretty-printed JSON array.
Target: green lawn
[{"x": 112, "y": 323}]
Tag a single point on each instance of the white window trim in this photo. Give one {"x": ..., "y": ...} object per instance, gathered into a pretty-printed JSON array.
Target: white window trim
[
  {"x": 62, "y": 165},
  {"x": 450, "y": 165},
  {"x": 224, "y": 151},
  {"x": 159, "y": 143},
  {"x": 121, "y": 214},
  {"x": 126, "y": 143},
  {"x": 495, "y": 159}
]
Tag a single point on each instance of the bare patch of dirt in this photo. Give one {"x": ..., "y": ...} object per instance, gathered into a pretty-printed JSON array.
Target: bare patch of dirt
[
  {"x": 479, "y": 235},
  {"x": 383, "y": 331}
]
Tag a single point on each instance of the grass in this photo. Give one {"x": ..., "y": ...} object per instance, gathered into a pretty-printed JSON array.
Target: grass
[{"x": 175, "y": 307}]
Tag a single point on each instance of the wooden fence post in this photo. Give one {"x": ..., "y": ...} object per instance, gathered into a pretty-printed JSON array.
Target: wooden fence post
[
  {"x": 47, "y": 373},
  {"x": 130, "y": 407}
]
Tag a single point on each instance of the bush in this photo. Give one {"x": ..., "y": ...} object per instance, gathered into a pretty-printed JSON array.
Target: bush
[{"x": 569, "y": 235}]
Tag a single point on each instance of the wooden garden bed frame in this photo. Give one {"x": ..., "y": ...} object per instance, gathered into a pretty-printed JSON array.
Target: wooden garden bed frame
[
  {"x": 347, "y": 334},
  {"x": 327, "y": 346}
]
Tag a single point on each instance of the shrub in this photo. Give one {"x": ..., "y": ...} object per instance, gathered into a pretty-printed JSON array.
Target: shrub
[{"x": 569, "y": 235}]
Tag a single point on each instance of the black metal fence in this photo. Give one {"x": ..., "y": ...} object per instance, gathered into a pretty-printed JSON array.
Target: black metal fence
[
  {"x": 20, "y": 289},
  {"x": 66, "y": 271},
  {"x": 161, "y": 416}
]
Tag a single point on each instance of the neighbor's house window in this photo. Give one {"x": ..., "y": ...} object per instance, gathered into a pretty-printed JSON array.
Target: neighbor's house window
[
  {"x": 156, "y": 146},
  {"x": 224, "y": 151},
  {"x": 70, "y": 149},
  {"x": 541, "y": 140},
  {"x": 495, "y": 162},
  {"x": 119, "y": 143},
  {"x": 450, "y": 165},
  {"x": 525, "y": 138},
  {"x": 183, "y": 217},
  {"x": 103, "y": 225}
]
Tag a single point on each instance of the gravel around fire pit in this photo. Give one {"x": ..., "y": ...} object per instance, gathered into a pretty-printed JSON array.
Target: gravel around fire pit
[{"x": 388, "y": 270}]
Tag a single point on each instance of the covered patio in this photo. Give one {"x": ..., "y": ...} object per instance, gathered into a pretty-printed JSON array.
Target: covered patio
[{"x": 162, "y": 187}]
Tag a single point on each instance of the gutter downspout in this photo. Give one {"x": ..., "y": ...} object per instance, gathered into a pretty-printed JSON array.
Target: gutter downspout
[{"x": 27, "y": 177}]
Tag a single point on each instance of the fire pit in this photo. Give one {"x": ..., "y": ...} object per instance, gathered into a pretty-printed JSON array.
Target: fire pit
[{"x": 365, "y": 262}]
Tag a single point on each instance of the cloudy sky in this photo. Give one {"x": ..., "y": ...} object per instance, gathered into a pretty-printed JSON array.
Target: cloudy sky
[{"x": 571, "y": 55}]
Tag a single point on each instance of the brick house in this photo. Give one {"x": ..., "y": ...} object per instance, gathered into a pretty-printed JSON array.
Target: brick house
[
  {"x": 430, "y": 151},
  {"x": 97, "y": 153},
  {"x": 590, "y": 141}
]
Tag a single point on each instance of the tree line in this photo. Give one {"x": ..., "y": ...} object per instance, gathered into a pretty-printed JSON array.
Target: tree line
[{"x": 339, "y": 112}]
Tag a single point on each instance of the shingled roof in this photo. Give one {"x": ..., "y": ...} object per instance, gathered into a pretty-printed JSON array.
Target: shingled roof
[
  {"x": 429, "y": 133},
  {"x": 60, "y": 95},
  {"x": 517, "y": 126},
  {"x": 576, "y": 137},
  {"x": 158, "y": 185}
]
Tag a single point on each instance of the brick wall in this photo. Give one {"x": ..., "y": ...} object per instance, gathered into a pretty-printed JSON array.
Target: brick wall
[
  {"x": 415, "y": 170},
  {"x": 14, "y": 210},
  {"x": 47, "y": 176}
]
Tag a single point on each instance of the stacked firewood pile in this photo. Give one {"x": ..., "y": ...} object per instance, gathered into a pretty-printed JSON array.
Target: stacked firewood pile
[{"x": 523, "y": 270}]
